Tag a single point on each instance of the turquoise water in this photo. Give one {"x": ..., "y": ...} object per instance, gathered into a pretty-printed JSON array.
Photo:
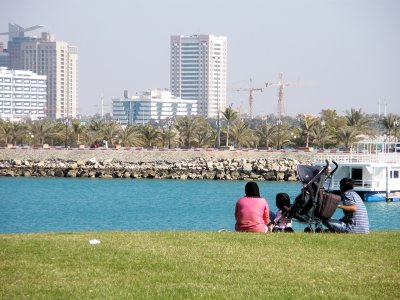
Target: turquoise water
[{"x": 66, "y": 204}]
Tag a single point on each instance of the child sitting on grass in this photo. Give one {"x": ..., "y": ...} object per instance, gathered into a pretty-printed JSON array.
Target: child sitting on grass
[{"x": 282, "y": 221}]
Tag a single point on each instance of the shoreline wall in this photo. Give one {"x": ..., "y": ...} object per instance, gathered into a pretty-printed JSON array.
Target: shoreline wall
[{"x": 155, "y": 163}]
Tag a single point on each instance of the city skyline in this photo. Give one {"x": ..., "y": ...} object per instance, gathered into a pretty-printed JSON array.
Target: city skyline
[{"x": 335, "y": 54}]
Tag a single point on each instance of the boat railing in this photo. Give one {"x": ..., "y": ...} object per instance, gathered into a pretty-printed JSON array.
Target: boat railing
[
  {"x": 364, "y": 152},
  {"x": 370, "y": 185},
  {"x": 359, "y": 157}
]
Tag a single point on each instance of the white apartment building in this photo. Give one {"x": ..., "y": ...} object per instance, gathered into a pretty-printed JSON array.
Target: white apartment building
[
  {"x": 153, "y": 105},
  {"x": 57, "y": 60},
  {"x": 22, "y": 95},
  {"x": 198, "y": 71}
]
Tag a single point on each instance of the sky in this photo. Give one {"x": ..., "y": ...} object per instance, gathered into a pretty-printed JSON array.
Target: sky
[{"x": 334, "y": 54}]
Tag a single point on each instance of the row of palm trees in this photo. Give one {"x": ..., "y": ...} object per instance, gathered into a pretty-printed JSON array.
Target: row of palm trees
[{"x": 324, "y": 131}]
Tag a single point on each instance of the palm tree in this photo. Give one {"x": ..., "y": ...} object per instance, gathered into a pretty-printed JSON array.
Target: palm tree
[
  {"x": 187, "y": 128},
  {"x": 45, "y": 129},
  {"x": 320, "y": 136},
  {"x": 166, "y": 136},
  {"x": 204, "y": 135},
  {"x": 347, "y": 136},
  {"x": 149, "y": 135},
  {"x": 357, "y": 119},
  {"x": 388, "y": 123},
  {"x": 78, "y": 129},
  {"x": 96, "y": 127},
  {"x": 229, "y": 114},
  {"x": 265, "y": 132},
  {"x": 307, "y": 124},
  {"x": 241, "y": 133},
  {"x": 127, "y": 135},
  {"x": 110, "y": 130},
  {"x": 6, "y": 129}
]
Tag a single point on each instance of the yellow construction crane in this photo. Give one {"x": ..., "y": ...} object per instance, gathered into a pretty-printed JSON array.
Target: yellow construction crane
[{"x": 251, "y": 90}]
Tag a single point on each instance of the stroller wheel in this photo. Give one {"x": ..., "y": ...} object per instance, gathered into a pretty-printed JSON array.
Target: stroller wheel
[
  {"x": 277, "y": 229},
  {"x": 308, "y": 229},
  {"x": 318, "y": 230}
]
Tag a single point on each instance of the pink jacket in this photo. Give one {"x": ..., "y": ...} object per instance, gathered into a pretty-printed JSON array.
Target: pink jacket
[{"x": 251, "y": 214}]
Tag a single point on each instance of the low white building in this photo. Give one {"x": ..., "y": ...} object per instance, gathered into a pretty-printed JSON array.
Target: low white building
[
  {"x": 153, "y": 105},
  {"x": 22, "y": 95}
]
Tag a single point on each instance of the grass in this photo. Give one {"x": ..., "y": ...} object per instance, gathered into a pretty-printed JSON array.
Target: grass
[{"x": 199, "y": 265}]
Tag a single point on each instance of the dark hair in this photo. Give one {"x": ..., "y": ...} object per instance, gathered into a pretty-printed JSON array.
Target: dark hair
[
  {"x": 282, "y": 200},
  {"x": 346, "y": 184},
  {"x": 252, "y": 189}
]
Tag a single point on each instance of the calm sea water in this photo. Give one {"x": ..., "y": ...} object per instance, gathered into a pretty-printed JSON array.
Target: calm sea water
[{"x": 66, "y": 204}]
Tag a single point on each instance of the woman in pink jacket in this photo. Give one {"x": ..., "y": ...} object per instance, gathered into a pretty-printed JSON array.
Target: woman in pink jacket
[{"x": 252, "y": 211}]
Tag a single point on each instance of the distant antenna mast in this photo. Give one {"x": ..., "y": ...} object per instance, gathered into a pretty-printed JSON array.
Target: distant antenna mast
[
  {"x": 379, "y": 108},
  {"x": 102, "y": 105}
]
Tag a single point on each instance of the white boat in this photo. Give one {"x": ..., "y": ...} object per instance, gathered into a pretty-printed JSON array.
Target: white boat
[{"x": 373, "y": 167}]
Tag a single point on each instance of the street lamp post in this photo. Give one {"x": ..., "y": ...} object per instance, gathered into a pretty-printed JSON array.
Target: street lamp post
[
  {"x": 169, "y": 123},
  {"x": 396, "y": 123},
  {"x": 66, "y": 132},
  {"x": 323, "y": 142},
  {"x": 266, "y": 132},
  {"x": 279, "y": 123},
  {"x": 216, "y": 59}
]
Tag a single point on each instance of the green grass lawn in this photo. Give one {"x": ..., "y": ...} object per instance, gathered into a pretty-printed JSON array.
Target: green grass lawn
[{"x": 200, "y": 265}]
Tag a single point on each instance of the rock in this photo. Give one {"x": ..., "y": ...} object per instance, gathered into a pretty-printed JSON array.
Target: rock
[
  {"x": 71, "y": 173},
  {"x": 247, "y": 168},
  {"x": 59, "y": 173}
]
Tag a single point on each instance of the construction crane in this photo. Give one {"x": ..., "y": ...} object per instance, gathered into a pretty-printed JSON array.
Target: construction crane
[
  {"x": 251, "y": 90},
  {"x": 281, "y": 85},
  {"x": 14, "y": 30}
]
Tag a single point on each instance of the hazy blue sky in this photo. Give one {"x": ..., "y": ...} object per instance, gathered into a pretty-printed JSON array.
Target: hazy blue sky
[{"x": 343, "y": 53}]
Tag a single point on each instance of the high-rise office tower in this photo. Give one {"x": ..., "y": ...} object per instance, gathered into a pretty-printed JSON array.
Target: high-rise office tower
[
  {"x": 198, "y": 71},
  {"x": 55, "y": 59}
]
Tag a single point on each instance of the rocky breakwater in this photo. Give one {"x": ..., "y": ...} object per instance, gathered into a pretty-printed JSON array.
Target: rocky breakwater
[{"x": 273, "y": 169}]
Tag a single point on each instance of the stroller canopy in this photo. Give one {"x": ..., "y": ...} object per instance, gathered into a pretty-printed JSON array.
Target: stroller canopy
[{"x": 308, "y": 173}]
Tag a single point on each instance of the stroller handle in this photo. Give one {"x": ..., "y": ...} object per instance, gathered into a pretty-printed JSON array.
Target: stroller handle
[
  {"x": 336, "y": 167},
  {"x": 326, "y": 166}
]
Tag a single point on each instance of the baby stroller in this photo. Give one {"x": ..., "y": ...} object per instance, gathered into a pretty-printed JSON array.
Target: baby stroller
[{"x": 313, "y": 204}]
